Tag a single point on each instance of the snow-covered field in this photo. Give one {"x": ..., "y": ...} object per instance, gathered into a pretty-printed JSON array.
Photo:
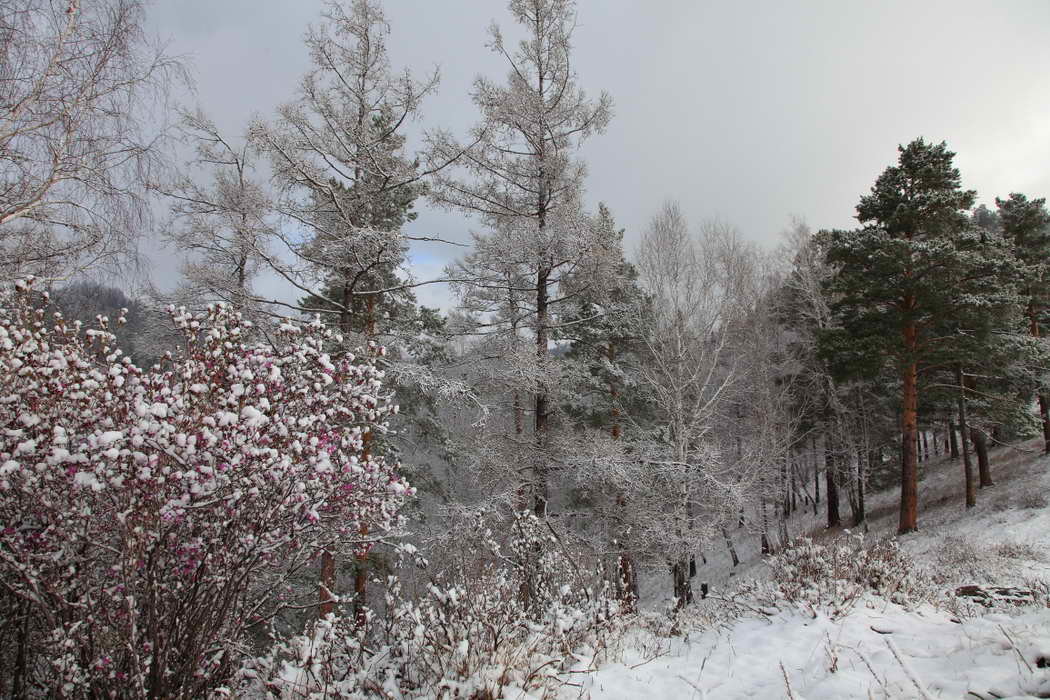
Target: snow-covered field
[
  {"x": 873, "y": 648},
  {"x": 877, "y": 650}
]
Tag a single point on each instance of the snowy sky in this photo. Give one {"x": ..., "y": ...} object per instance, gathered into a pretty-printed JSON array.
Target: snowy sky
[{"x": 750, "y": 111}]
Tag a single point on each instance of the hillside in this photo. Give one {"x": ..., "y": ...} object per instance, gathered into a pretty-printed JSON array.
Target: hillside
[{"x": 929, "y": 644}]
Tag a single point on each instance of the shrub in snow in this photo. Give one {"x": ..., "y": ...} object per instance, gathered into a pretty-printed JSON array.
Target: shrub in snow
[
  {"x": 151, "y": 518},
  {"x": 834, "y": 575},
  {"x": 516, "y": 618}
]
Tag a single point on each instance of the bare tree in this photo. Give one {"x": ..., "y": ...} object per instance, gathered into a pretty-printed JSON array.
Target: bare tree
[
  {"x": 695, "y": 287},
  {"x": 76, "y": 153},
  {"x": 222, "y": 227}
]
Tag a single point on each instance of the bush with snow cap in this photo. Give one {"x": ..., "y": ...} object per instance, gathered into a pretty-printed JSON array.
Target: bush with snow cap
[
  {"x": 150, "y": 518},
  {"x": 511, "y": 621}
]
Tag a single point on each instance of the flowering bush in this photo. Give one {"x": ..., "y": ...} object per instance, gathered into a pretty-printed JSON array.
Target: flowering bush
[{"x": 150, "y": 519}]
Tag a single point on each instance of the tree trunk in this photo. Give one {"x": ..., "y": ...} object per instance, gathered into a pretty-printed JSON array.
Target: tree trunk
[
  {"x": 925, "y": 446},
  {"x": 816, "y": 477},
  {"x": 542, "y": 399},
  {"x": 953, "y": 444},
  {"x": 327, "y": 574},
  {"x": 1044, "y": 415},
  {"x": 909, "y": 514},
  {"x": 361, "y": 584},
  {"x": 764, "y": 534},
  {"x": 785, "y": 488},
  {"x": 683, "y": 589},
  {"x": 980, "y": 444},
  {"x": 863, "y": 465},
  {"x": 831, "y": 477},
  {"x": 936, "y": 444},
  {"x": 729, "y": 545},
  {"x": 784, "y": 537},
  {"x": 971, "y": 489}
]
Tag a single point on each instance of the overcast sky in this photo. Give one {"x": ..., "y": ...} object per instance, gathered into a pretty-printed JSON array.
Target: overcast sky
[{"x": 748, "y": 111}]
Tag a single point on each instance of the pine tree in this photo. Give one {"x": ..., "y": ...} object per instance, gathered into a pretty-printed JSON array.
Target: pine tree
[
  {"x": 899, "y": 279},
  {"x": 1026, "y": 224}
]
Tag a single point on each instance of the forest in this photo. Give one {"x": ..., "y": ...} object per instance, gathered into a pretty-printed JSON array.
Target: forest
[{"x": 597, "y": 452}]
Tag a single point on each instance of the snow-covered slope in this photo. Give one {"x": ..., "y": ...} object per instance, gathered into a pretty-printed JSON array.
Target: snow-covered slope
[{"x": 942, "y": 647}]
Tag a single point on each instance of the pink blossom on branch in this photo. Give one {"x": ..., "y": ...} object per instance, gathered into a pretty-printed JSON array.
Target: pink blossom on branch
[{"x": 149, "y": 518}]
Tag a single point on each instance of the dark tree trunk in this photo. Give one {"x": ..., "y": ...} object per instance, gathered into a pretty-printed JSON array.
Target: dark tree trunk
[
  {"x": 764, "y": 535},
  {"x": 1044, "y": 414},
  {"x": 925, "y": 446},
  {"x": 683, "y": 588},
  {"x": 542, "y": 400},
  {"x": 816, "y": 477},
  {"x": 971, "y": 488},
  {"x": 784, "y": 538},
  {"x": 831, "y": 479},
  {"x": 729, "y": 545},
  {"x": 953, "y": 443},
  {"x": 785, "y": 487},
  {"x": 984, "y": 469}
]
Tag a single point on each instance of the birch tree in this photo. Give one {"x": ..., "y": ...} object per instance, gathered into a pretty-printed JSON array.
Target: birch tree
[
  {"x": 224, "y": 227},
  {"x": 76, "y": 153},
  {"x": 686, "y": 373},
  {"x": 522, "y": 181}
]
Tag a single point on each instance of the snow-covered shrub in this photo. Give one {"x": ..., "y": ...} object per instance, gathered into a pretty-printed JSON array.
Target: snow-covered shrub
[
  {"x": 834, "y": 575},
  {"x": 150, "y": 519},
  {"x": 1012, "y": 549},
  {"x": 474, "y": 633},
  {"x": 1033, "y": 499},
  {"x": 960, "y": 557}
]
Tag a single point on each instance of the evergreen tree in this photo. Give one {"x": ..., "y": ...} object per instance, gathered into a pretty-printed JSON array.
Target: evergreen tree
[
  {"x": 361, "y": 285},
  {"x": 1026, "y": 224},
  {"x": 916, "y": 265}
]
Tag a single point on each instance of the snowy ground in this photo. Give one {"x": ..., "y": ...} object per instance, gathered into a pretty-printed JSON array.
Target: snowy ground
[{"x": 877, "y": 649}]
